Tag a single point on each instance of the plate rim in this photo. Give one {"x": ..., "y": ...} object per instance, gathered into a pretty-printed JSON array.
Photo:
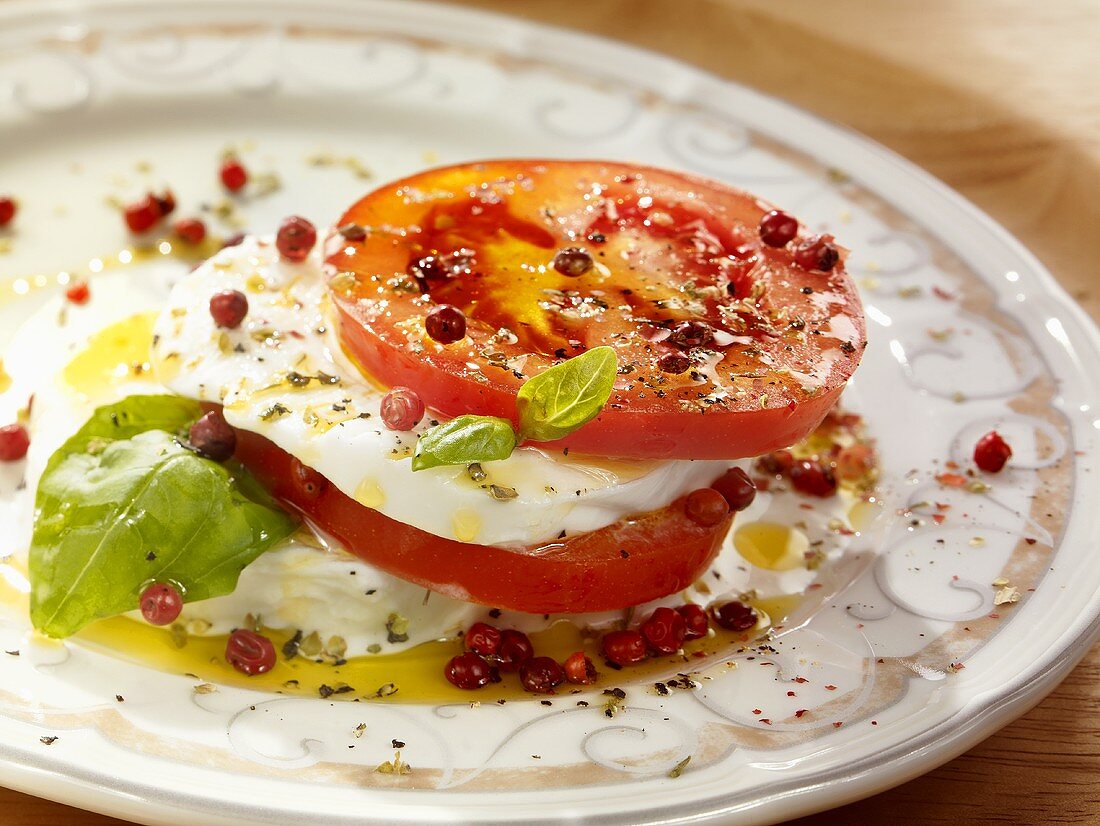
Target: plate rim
[{"x": 981, "y": 715}]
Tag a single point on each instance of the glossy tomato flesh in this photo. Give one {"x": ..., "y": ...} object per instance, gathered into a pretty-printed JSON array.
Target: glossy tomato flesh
[
  {"x": 666, "y": 248},
  {"x": 630, "y": 562}
]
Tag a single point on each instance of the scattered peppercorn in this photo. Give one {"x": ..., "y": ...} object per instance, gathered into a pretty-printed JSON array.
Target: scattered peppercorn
[
  {"x": 445, "y": 324},
  {"x": 854, "y": 462},
  {"x": 664, "y": 631},
  {"x": 213, "y": 437},
  {"x": 624, "y": 647},
  {"x": 573, "y": 262},
  {"x": 580, "y": 670},
  {"x": 483, "y": 639},
  {"x": 777, "y": 229},
  {"x": 161, "y": 603},
  {"x": 249, "y": 652},
  {"x": 674, "y": 363},
  {"x": 696, "y": 623},
  {"x": 541, "y": 675},
  {"x": 817, "y": 253},
  {"x": 734, "y": 615},
  {"x": 736, "y": 488},
  {"x": 190, "y": 230},
  {"x": 706, "y": 507},
  {"x": 78, "y": 292},
  {"x": 401, "y": 409},
  {"x": 229, "y": 308},
  {"x": 14, "y": 442},
  {"x": 233, "y": 174},
  {"x": 515, "y": 649},
  {"x": 813, "y": 478},
  {"x": 295, "y": 238},
  {"x": 688, "y": 334},
  {"x": 469, "y": 671},
  {"x": 8, "y": 207},
  {"x": 142, "y": 215},
  {"x": 166, "y": 202},
  {"x": 992, "y": 452}
]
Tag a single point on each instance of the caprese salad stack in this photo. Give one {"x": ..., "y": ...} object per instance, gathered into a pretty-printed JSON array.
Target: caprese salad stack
[{"x": 523, "y": 385}]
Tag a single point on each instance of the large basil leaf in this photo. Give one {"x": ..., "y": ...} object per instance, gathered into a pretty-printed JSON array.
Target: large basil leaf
[
  {"x": 557, "y": 401},
  {"x": 463, "y": 441},
  {"x": 123, "y": 503}
]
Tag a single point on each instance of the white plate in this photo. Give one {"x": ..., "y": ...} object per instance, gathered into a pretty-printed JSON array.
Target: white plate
[{"x": 87, "y": 89}]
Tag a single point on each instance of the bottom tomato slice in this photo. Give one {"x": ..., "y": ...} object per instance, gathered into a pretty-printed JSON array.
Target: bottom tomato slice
[{"x": 632, "y": 561}]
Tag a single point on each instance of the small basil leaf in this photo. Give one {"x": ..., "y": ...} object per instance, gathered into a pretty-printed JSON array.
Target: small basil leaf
[
  {"x": 464, "y": 440},
  {"x": 122, "y": 503},
  {"x": 567, "y": 396}
]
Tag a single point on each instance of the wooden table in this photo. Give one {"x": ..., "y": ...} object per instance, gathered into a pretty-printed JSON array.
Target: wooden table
[{"x": 1000, "y": 99}]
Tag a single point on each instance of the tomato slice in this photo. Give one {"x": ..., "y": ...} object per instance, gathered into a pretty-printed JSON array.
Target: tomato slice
[
  {"x": 630, "y": 562},
  {"x": 770, "y": 350}
]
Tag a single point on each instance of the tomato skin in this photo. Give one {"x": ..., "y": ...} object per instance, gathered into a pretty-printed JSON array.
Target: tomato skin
[
  {"x": 630, "y": 562},
  {"x": 500, "y": 257},
  {"x": 625, "y": 433}
]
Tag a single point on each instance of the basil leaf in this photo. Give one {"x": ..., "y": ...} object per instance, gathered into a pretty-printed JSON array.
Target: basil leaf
[
  {"x": 464, "y": 440},
  {"x": 123, "y": 503},
  {"x": 568, "y": 395}
]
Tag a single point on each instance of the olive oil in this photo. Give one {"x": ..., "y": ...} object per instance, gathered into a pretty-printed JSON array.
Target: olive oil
[
  {"x": 115, "y": 354},
  {"x": 771, "y": 546}
]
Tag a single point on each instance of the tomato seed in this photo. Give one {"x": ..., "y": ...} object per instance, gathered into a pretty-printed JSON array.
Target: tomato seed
[{"x": 307, "y": 482}]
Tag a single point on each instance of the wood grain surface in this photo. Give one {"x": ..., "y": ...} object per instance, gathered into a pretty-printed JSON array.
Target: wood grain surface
[{"x": 1000, "y": 99}]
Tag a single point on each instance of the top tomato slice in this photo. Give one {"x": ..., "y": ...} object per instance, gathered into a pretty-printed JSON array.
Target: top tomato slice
[{"x": 772, "y": 345}]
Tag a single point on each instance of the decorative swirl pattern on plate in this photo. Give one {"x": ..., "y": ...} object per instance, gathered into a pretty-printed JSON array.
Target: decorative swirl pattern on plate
[
  {"x": 586, "y": 120},
  {"x": 915, "y": 254},
  {"x": 166, "y": 56},
  {"x": 907, "y": 358},
  {"x": 51, "y": 82},
  {"x": 630, "y": 737}
]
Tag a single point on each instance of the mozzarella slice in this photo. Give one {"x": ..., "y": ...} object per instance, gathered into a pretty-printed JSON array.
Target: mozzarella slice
[{"x": 282, "y": 374}]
